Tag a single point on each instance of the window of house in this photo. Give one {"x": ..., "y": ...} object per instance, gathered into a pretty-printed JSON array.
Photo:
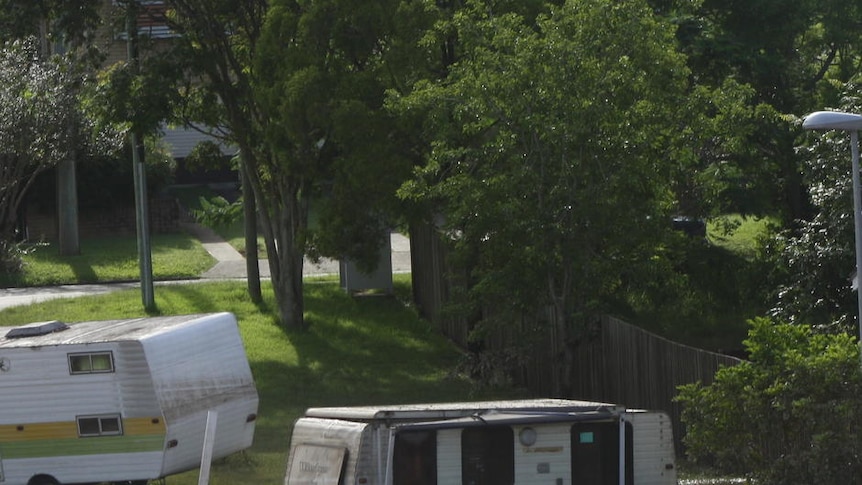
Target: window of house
[
  {"x": 91, "y": 363},
  {"x": 105, "y": 425},
  {"x": 151, "y": 20}
]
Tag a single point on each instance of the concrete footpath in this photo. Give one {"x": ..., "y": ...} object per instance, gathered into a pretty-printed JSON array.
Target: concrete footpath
[{"x": 230, "y": 265}]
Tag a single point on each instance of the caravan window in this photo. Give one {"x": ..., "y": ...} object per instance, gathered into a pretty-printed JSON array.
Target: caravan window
[
  {"x": 488, "y": 455},
  {"x": 106, "y": 425},
  {"x": 415, "y": 458},
  {"x": 91, "y": 363}
]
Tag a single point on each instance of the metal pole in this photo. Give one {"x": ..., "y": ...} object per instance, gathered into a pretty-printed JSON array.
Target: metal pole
[
  {"x": 145, "y": 261},
  {"x": 140, "y": 175},
  {"x": 209, "y": 444},
  {"x": 857, "y": 222},
  {"x": 622, "y": 450}
]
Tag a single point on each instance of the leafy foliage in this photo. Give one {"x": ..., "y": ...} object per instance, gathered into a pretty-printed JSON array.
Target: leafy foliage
[
  {"x": 35, "y": 105},
  {"x": 72, "y": 21},
  {"x": 217, "y": 211},
  {"x": 322, "y": 71},
  {"x": 815, "y": 259},
  {"x": 554, "y": 175},
  {"x": 299, "y": 87},
  {"x": 791, "y": 415}
]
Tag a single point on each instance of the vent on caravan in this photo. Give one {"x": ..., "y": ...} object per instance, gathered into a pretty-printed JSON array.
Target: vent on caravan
[{"x": 36, "y": 329}]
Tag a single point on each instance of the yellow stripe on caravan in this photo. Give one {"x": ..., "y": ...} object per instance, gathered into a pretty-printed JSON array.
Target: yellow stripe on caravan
[
  {"x": 144, "y": 426},
  {"x": 69, "y": 429},
  {"x": 38, "y": 431}
]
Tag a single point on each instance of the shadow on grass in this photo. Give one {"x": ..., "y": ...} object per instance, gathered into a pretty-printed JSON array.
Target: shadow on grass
[{"x": 357, "y": 351}]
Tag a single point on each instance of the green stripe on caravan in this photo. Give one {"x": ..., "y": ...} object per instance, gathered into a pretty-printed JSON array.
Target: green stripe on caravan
[{"x": 81, "y": 446}]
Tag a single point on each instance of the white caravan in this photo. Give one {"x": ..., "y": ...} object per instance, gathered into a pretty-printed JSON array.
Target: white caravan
[
  {"x": 121, "y": 401},
  {"x": 546, "y": 441}
]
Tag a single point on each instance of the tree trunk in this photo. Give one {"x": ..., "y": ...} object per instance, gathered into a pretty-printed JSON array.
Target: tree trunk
[
  {"x": 67, "y": 208},
  {"x": 286, "y": 258},
  {"x": 559, "y": 290},
  {"x": 252, "y": 264},
  {"x": 283, "y": 220}
]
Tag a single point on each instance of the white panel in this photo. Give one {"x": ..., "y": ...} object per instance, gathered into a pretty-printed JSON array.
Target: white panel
[
  {"x": 653, "y": 448},
  {"x": 77, "y": 469},
  {"x": 233, "y": 434},
  {"x": 198, "y": 366},
  {"x": 449, "y": 456},
  {"x": 38, "y": 386},
  {"x": 546, "y": 461},
  {"x": 135, "y": 384}
]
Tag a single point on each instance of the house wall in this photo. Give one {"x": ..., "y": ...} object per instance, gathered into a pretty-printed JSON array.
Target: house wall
[{"x": 165, "y": 214}]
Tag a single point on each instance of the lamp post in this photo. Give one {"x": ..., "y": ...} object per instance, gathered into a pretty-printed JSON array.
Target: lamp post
[{"x": 836, "y": 120}]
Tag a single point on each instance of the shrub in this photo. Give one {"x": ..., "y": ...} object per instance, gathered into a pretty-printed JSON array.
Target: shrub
[
  {"x": 11, "y": 261},
  {"x": 790, "y": 415}
]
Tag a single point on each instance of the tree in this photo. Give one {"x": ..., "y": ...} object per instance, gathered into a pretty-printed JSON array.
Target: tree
[
  {"x": 213, "y": 59},
  {"x": 298, "y": 85},
  {"x": 322, "y": 72},
  {"x": 36, "y": 102},
  {"x": 789, "y": 415},
  {"x": 63, "y": 27},
  {"x": 814, "y": 261},
  {"x": 551, "y": 160},
  {"x": 792, "y": 56}
]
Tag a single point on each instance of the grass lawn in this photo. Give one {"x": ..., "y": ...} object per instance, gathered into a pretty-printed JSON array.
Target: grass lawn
[
  {"x": 174, "y": 256},
  {"x": 738, "y": 234},
  {"x": 371, "y": 350}
]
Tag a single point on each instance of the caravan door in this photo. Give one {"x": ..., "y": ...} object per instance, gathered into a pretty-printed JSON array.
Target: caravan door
[{"x": 596, "y": 452}]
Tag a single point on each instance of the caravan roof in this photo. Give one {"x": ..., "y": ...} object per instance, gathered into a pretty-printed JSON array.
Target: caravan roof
[
  {"x": 458, "y": 409},
  {"x": 56, "y": 333}
]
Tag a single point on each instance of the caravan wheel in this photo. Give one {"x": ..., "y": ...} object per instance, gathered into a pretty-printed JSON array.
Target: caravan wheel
[{"x": 43, "y": 480}]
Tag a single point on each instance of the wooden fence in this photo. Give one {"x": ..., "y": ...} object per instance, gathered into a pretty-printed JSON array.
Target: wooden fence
[{"x": 618, "y": 363}]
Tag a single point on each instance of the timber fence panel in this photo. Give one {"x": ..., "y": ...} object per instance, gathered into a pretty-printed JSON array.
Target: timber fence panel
[{"x": 618, "y": 363}]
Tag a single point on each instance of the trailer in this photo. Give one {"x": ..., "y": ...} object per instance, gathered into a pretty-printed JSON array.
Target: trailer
[
  {"x": 537, "y": 441},
  {"x": 122, "y": 400}
]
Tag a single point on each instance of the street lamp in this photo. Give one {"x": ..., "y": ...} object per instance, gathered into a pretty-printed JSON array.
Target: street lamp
[{"x": 836, "y": 120}]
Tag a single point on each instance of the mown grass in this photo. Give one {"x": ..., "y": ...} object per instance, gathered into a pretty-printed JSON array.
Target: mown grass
[
  {"x": 372, "y": 350},
  {"x": 174, "y": 256},
  {"x": 738, "y": 234}
]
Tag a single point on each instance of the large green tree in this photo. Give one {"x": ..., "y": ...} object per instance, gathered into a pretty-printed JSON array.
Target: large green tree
[
  {"x": 792, "y": 55},
  {"x": 299, "y": 87},
  {"x": 322, "y": 72},
  {"x": 552, "y": 156}
]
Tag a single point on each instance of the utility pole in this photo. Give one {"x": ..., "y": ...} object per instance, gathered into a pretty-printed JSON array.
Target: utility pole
[
  {"x": 139, "y": 170},
  {"x": 67, "y": 188}
]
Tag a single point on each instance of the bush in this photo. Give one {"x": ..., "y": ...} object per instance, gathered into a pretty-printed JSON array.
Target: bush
[
  {"x": 11, "y": 261},
  {"x": 791, "y": 415}
]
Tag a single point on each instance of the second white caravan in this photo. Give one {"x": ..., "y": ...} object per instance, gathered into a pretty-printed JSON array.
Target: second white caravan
[{"x": 523, "y": 442}]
